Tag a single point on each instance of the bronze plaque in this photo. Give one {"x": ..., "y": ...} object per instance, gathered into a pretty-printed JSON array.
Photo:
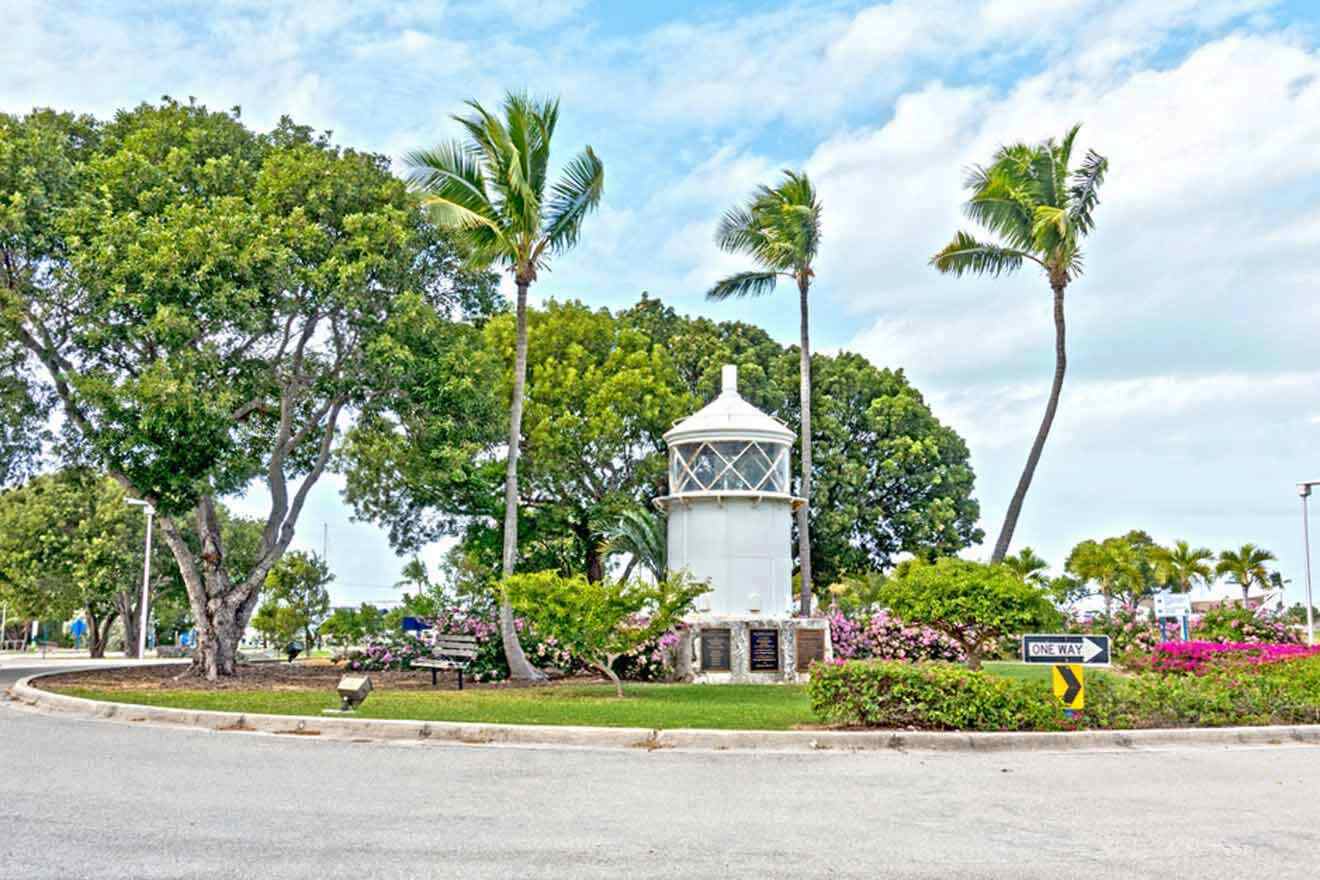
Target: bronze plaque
[
  {"x": 714, "y": 650},
  {"x": 764, "y": 650},
  {"x": 810, "y": 647}
]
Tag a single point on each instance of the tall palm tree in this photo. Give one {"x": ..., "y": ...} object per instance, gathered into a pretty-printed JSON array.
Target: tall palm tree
[
  {"x": 1182, "y": 566},
  {"x": 1028, "y": 566},
  {"x": 641, "y": 535},
  {"x": 493, "y": 190},
  {"x": 1246, "y": 567},
  {"x": 779, "y": 228},
  {"x": 1039, "y": 210}
]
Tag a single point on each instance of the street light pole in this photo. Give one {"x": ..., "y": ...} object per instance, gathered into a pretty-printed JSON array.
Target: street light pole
[
  {"x": 146, "y": 577},
  {"x": 1304, "y": 489}
]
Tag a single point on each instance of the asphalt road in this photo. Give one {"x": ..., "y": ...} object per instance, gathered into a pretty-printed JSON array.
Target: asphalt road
[{"x": 83, "y": 798}]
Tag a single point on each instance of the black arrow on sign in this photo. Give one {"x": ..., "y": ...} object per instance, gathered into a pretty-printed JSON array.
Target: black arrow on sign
[{"x": 1074, "y": 686}]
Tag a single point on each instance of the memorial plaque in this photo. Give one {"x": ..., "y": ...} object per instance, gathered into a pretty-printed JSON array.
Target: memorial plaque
[
  {"x": 714, "y": 650},
  {"x": 764, "y": 650},
  {"x": 810, "y": 647}
]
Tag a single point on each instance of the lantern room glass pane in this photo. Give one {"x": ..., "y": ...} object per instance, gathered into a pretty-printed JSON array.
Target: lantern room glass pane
[{"x": 729, "y": 466}]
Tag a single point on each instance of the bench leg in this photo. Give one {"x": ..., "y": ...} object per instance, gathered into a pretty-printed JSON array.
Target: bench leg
[
  {"x": 433, "y": 679},
  {"x": 460, "y": 678}
]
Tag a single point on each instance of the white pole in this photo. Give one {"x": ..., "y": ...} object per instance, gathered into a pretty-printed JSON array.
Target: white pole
[
  {"x": 146, "y": 583},
  {"x": 4, "y": 619},
  {"x": 1306, "y": 542}
]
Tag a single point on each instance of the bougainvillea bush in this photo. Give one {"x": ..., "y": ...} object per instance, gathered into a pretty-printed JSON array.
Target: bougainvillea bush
[
  {"x": 882, "y": 636},
  {"x": 1200, "y": 657}
]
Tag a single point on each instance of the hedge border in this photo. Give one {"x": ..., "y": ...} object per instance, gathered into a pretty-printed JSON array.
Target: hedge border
[{"x": 461, "y": 733}]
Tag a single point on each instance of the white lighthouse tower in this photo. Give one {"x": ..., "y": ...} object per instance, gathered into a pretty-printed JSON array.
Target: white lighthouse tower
[{"x": 730, "y": 514}]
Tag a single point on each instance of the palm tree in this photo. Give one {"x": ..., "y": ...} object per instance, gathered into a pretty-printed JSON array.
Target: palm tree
[
  {"x": 1246, "y": 567},
  {"x": 1028, "y": 566},
  {"x": 1182, "y": 566},
  {"x": 492, "y": 190},
  {"x": 779, "y": 228},
  {"x": 1039, "y": 210},
  {"x": 641, "y": 535}
]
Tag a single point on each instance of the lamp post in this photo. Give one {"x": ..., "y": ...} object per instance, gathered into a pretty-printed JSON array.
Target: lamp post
[
  {"x": 146, "y": 577},
  {"x": 1304, "y": 490}
]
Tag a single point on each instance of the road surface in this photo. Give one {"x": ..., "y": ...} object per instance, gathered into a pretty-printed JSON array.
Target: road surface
[{"x": 84, "y": 798}]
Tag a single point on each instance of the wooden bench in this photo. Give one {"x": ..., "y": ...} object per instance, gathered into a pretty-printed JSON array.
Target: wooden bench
[{"x": 448, "y": 652}]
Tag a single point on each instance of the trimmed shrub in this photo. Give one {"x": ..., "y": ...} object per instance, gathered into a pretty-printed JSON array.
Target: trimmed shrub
[
  {"x": 928, "y": 696},
  {"x": 1286, "y": 692}
]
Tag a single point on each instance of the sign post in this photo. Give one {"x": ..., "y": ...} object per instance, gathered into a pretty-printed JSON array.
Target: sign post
[{"x": 1069, "y": 655}]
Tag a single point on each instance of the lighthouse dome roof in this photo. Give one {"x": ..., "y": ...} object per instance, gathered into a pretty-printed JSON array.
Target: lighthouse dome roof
[{"x": 729, "y": 417}]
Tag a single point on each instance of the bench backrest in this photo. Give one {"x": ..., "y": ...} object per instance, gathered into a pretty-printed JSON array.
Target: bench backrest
[{"x": 455, "y": 646}]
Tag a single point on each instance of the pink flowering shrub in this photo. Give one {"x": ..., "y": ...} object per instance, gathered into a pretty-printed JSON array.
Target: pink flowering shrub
[
  {"x": 1200, "y": 656},
  {"x": 881, "y": 636}
]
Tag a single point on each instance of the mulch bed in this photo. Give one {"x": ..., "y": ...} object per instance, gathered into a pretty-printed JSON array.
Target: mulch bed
[{"x": 311, "y": 675}]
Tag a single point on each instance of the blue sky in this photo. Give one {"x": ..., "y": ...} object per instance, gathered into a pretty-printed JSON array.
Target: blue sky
[{"x": 1192, "y": 404}]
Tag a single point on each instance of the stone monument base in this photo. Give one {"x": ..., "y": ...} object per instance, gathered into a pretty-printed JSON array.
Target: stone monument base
[{"x": 751, "y": 650}]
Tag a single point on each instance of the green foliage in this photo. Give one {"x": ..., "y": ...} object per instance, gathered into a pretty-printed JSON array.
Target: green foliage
[
  {"x": 640, "y": 534},
  {"x": 1028, "y": 566},
  {"x": 201, "y": 300},
  {"x": 1038, "y": 208},
  {"x": 1246, "y": 567},
  {"x": 350, "y": 626},
  {"x": 279, "y": 624},
  {"x": 296, "y": 587},
  {"x": 598, "y": 622},
  {"x": 1122, "y": 567},
  {"x": 779, "y": 228},
  {"x": 927, "y": 696},
  {"x": 493, "y": 188},
  {"x": 69, "y": 543},
  {"x": 1287, "y": 692},
  {"x": 1182, "y": 566},
  {"x": 972, "y": 603}
]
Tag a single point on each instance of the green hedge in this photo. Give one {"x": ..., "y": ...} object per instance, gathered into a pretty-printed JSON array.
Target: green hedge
[
  {"x": 943, "y": 696},
  {"x": 928, "y": 696}
]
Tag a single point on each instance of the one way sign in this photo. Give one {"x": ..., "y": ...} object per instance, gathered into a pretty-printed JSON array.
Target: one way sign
[{"x": 1086, "y": 650}]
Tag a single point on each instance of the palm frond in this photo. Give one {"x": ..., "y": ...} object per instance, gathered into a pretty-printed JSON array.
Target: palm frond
[
  {"x": 641, "y": 535},
  {"x": 966, "y": 254},
  {"x": 453, "y": 187},
  {"x": 572, "y": 198},
  {"x": 743, "y": 284},
  {"x": 1084, "y": 194}
]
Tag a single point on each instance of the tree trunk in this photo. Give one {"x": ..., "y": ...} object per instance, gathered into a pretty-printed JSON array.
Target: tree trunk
[
  {"x": 608, "y": 668},
  {"x": 519, "y": 668},
  {"x": 974, "y": 661},
  {"x": 1245, "y": 589},
  {"x": 129, "y": 614},
  {"x": 1024, "y": 483},
  {"x": 98, "y": 632},
  {"x": 804, "y": 512}
]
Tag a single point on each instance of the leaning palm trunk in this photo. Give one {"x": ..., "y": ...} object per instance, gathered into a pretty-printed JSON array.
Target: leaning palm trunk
[
  {"x": 518, "y": 666},
  {"x": 804, "y": 512},
  {"x": 1024, "y": 482}
]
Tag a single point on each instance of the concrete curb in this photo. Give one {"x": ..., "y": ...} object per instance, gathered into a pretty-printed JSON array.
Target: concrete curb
[{"x": 641, "y": 738}]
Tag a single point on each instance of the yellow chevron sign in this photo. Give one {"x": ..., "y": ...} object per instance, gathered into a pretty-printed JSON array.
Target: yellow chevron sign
[{"x": 1070, "y": 685}]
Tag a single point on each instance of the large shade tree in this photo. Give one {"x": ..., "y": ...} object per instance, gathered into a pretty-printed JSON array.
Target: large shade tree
[
  {"x": 599, "y": 398},
  {"x": 779, "y": 228},
  {"x": 494, "y": 189},
  {"x": 887, "y": 476},
  {"x": 1038, "y": 209},
  {"x": 201, "y": 299}
]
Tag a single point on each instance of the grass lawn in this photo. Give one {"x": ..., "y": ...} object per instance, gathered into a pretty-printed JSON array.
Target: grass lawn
[
  {"x": 1027, "y": 671},
  {"x": 746, "y": 707}
]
